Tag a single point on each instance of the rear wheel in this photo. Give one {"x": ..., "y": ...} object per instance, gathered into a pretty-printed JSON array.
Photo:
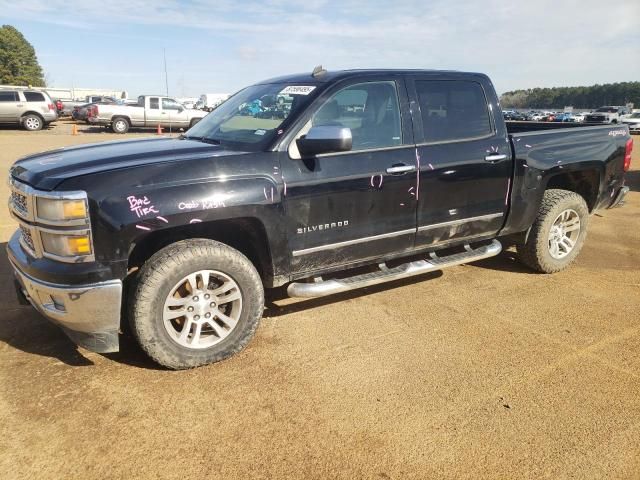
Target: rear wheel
[
  {"x": 120, "y": 125},
  {"x": 196, "y": 302},
  {"x": 32, "y": 122},
  {"x": 558, "y": 233}
]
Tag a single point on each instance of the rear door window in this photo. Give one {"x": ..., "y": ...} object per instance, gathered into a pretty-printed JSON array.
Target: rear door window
[
  {"x": 8, "y": 96},
  {"x": 154, "y": 103},
  {"x": 34, "y": 97},
  {"x": 453, "y": 110}
]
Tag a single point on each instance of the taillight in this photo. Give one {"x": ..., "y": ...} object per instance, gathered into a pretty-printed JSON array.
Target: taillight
[
  {"x": 93, "y": 111},
  {"x": 627, "y": 155},
  {"x": 51, "y": 106}
]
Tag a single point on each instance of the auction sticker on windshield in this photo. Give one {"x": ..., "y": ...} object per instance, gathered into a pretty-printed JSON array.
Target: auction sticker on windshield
[{"x": 297, "y": 90}]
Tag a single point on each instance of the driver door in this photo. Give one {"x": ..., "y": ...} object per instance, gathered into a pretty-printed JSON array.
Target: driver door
[
  {"x": 352, "y": 206},
  {"x": 174, "y": 114}
]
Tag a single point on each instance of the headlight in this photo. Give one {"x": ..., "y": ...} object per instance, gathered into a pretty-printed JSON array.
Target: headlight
[
  {"x": 66, "y": 245},
  {"x": 60, "y": 210}
]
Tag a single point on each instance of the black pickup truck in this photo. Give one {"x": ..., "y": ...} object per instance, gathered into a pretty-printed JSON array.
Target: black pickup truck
[{"x": 326, "y": 182}]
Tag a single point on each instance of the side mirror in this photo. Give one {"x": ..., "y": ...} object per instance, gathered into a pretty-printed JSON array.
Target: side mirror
[
  {"x": 325, "y": 139},
  {"x": 180, "y": 109}
]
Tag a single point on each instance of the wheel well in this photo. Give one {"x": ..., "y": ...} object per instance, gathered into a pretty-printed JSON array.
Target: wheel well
[
  {"x": 585, "y": 183},
  {"x": 247, "y": 235},
  {"x": 32, "y": 113},
  {"x": 124, "y": 117}
]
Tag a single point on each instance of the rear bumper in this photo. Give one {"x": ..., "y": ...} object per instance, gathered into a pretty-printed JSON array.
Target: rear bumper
[
  {"x": 619, "y": 197},
  {"x": 88, "y": 314}
]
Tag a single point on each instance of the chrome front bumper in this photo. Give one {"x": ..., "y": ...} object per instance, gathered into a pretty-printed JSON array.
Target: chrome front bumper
[{"x": 89, "y": 314}]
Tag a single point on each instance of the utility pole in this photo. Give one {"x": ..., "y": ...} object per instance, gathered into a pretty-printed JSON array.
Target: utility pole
[{"x": 166, "y": 78}]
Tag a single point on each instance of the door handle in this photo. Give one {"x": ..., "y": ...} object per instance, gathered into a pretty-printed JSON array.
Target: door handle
[
  {"x": 495, "y": 157},
  {"x": 401, "y": 169}
]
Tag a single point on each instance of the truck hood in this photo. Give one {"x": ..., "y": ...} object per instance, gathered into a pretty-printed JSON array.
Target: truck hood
[{"x": 47, "y": 170}]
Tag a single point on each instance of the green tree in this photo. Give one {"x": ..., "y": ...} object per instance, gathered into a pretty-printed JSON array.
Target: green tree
[{"x": 18, "y": 62}]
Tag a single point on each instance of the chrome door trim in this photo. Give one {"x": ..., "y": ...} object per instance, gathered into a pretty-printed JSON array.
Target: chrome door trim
[
  {"x": 330, "y": 246},
  {"x": 460, "y": 221}
]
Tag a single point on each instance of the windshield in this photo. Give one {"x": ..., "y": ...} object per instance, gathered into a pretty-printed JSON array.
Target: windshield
[
  {"x": 607, "y": 109},
  {"x": 252, "y": 117}
]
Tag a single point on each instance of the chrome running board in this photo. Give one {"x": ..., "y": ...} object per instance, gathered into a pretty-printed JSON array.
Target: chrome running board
[{"x": 320, "y": 287}]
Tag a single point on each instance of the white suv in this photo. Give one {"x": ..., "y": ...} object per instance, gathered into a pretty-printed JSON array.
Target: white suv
[{"x": 30, "y": 108}]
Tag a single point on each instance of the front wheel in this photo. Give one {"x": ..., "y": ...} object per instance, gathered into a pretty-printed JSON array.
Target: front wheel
[
  {"x": 196, "y": 302},
  {"x": 558, "y": 233}
]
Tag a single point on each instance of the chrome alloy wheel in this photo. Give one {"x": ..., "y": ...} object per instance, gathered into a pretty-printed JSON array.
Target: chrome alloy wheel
[
  {"x": 202, "y": 309},
  {"x": 32, "y": 123},
  {"x": 564, "y": 234}
]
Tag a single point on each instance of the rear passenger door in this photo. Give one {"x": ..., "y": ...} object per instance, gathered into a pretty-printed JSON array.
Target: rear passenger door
[
  {"x": 465, "y": 159},
  {"x": 9, "y": 110}
]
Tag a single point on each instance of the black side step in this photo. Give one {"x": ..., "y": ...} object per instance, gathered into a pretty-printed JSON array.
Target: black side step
[{"x": 385, "y": 274}]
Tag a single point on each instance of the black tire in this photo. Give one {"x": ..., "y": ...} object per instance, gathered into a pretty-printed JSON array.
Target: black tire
[
  {"x": 32, "y": 122},
  {"x": 193, "y": 122},
  {"x": 157, "y": 278},
  {"x": 120, "y": 125},
  {"x": 535, "y": 251}
]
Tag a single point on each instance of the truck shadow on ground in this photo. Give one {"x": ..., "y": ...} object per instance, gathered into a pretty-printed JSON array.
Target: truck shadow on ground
[
  {"x": 632, "y": 180},
  {"x": 26, "y": 330}
]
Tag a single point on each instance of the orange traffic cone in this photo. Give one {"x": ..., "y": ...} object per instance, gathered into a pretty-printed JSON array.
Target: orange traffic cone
[
  {"x": 74, "y": 129},
  {"x": 159, "y": 130}
]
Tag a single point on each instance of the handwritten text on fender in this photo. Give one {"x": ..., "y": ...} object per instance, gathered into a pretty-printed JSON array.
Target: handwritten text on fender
[{"x": 141, "y": 206}]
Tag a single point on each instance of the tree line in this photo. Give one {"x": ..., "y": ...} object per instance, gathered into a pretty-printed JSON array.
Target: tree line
[{"x": 580, "y": 97}]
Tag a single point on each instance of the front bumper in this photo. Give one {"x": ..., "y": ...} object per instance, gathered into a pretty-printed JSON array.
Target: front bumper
[{"x": 88, "y": 314}]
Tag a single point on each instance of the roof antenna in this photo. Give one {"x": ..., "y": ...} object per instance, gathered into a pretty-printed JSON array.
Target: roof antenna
[{"x": 318, "y": 71}]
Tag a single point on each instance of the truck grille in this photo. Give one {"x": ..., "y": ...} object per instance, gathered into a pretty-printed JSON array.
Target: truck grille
[
  {"x": 19, "y": 202},
  {"x": 27, "y": 238}
]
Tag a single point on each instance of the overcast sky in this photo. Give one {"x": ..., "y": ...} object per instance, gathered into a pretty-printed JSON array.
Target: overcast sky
[{"x": 221, "y": 46}]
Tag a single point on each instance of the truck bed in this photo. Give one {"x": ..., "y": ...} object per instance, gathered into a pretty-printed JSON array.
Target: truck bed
[{"x": 573, "y": 154}]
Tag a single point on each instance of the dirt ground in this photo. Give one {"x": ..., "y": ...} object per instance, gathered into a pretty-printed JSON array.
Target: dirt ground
[{"x": 480, "y": 371}]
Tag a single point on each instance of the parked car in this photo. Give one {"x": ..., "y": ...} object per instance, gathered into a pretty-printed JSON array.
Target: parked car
[
  {"x": 69, "y": 105},
  {"x": 513, "y": 115},
  {"x": 537, "y": 116},
  {"x": 578, "y": 117},
  {"x": 184, "y": 234},
  {"x": 607, "y": 115},
  {"x": 31, "y": 109},
  {"x": 633, "y": 122},
  {"x": 150, "y": 111},
  {"x": 81, "y": 112}
]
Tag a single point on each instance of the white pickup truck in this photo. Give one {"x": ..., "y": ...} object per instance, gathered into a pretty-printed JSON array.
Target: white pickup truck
[{"x": 150, "y": 111}]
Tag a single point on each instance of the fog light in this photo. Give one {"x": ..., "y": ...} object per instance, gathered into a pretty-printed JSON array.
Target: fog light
[{"x": 66, "y": 245}]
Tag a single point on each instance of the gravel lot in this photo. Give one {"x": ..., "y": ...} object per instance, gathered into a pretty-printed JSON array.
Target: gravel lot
[{"x": 480, "y": 371}]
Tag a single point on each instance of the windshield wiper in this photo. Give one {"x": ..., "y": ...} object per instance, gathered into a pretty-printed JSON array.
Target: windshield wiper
[{"x": 212, "y": 141}]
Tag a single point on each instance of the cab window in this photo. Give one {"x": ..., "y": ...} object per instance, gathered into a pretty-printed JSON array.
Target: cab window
[
  {"x": 453, "y": 110},
  {"x": 154, "y": 104},
  {"x": 371, "y": 110}
]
